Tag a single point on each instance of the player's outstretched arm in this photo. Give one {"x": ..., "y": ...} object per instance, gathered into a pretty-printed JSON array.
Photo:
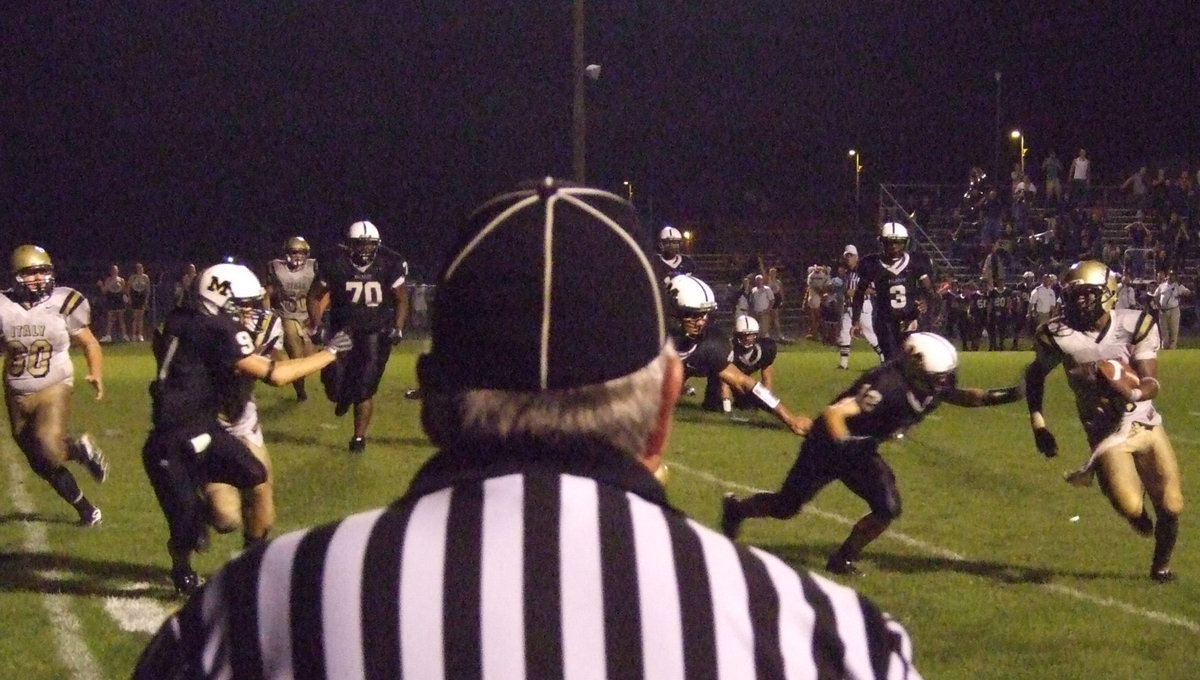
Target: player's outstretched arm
[
  {"x": 975, "y": 396},
  {"x": 744, "y": 384},
  {"x": 1035, "y": 389},
  {"x": 277, "y": 373}
]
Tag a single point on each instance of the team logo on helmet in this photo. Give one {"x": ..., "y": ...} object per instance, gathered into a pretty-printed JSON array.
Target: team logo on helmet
[{"x": 231, "y": 290}]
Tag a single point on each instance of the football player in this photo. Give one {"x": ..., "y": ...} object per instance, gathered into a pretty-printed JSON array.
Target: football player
[
  {"x": 843, "y": 443},
  {"x": 705, "y": 351},
  {"x": 365, "y": 295},
  {"x": 1130, "y": 450},
  {"x": 903, "y": 283},
  {"x": 865, "y": 326},
  {"x": 204, "y": 354},
  {"x": 751, "y": 354},
  {"x": 670, "y": 261},
  {"x": 39, "y": 322},
  {"x": 288, "y": 280}
]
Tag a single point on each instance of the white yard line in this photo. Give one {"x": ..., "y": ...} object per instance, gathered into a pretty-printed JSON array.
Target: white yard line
[
  {"x": 72, "y": 649},
  {"x": 946, "y": 553},
  {"x": 137, "y": 614}
]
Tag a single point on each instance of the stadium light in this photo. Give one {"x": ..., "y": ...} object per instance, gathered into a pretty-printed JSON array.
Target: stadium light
[{"x": 1017, "y": 134}]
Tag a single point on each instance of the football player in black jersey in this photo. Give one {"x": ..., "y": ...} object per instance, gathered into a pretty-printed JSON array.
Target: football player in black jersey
[
  {"x": 901, "y": 280},
  {"x": 201, "y": 350},
  {"x": 843, "y": 443},
  {"x": 670, "y": 262},
  {"x": 364, "y": 293},
  {"x": 999, "y": 315},
  {"x": 705, "y": 351},
  {"x": 751, "y": 354}
]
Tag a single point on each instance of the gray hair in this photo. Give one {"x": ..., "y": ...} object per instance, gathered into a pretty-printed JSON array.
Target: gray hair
[{"x": 621, "y": 412}]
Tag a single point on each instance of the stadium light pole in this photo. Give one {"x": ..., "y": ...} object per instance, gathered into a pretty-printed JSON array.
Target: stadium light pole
[
  {"x": 857, "y": 174},
  {"x": 579, "y": 108},
  {"x": 1018, "y": 135}
]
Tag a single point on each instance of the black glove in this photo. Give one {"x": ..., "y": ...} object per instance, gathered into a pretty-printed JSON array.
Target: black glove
[
  {"x": 340, "y": 342},
  {"x": 1046, "y": 444},
  {"x": 317, "y": 335},
  {"x": 396, "y": 335}
]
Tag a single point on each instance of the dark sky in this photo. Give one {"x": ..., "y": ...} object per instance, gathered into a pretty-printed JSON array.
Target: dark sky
[{"x": 197, "y": 129}]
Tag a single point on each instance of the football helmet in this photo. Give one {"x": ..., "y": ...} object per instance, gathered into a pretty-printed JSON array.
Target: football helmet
[
  {"x": 1089, "y": 291},
  {"x": 295, "y": 252},
  {"x": 33, "y": 272},
  {"x": 232, "y": 290},
  {"x": 931, "y": 361},
  {"x": 745, "y": 330},
  {"x": 893, "y": 238},
  {"x": 691, "y": 300},
  {"x": 669, "y": 241},
  {"x": 362, "y": 239}
]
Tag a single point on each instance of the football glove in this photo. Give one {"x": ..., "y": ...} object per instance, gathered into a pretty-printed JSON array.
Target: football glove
[
  {"x": 1045, "y": 441},
  {"x": 317, "y": 335},
  {"x": 340, "y": 342},
  {"x": 396, "y": 335}
]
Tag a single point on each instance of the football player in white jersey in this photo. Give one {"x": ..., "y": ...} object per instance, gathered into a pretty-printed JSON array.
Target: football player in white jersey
[
  {"x": 287, "y": 284},
  {"x": 1130, "y": 451},
  {"x": 38, "y": 324}
]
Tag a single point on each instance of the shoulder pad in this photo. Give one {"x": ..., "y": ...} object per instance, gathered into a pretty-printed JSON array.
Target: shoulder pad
[{"x": 1143, "y": 326}]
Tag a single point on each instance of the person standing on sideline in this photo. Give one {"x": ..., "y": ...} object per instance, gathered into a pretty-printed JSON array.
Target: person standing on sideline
[
  {"x": 844, "y": 442},
  {"x": 185, "y": 285},
  {"x": 112, "y": 287},
  {"x": 137, "y": 287},
  {"x": 39, "y": 322},
  {"x": 1130, "y": 449},
  {"x": 203, "y": 351},
  {"x": 365, "y": 295},
  {"x": 1167, "y": 296},
  {"x": 762, "y": 299},
  {"x": 773, "y": 328},
  {"x": 288, "y": 281},
  {"x": 865, "y": 326},
  {"x": 549, "y": 389},
  {"x": 1081, "y": 178}
]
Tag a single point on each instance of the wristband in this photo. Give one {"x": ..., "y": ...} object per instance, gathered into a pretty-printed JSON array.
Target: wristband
[
  {"x": 1036, "y": 419},
  {"x": 765, "y": 396}
]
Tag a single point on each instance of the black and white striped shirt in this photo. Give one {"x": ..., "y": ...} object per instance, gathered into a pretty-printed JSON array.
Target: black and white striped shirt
[{"x": 519, "y": 566}]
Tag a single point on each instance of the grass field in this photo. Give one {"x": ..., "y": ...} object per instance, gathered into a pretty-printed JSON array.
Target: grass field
[{"x": 986, "y": 567}]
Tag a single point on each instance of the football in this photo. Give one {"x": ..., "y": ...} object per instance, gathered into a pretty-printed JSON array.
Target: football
[{"x": 1119, "y": 372}]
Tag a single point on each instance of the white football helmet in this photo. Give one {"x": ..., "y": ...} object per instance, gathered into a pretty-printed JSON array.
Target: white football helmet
[
  {"x": 936, "y": 358},
  {"x": 362, "y": 238},
  {"x": 232, "y": 290},
  {"x": 669, "y": 241},
  {"x": 690, "y": 296},
  {"x": 893, "y": 238},
  {"x": 745, "y": 330}
]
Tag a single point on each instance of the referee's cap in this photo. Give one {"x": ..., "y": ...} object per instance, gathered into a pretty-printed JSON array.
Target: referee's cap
[
  {"x": 548, "y": 287},
  {"x": 850, "y": 250}
]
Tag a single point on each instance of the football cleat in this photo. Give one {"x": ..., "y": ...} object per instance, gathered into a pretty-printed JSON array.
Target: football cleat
[
  {"x": 836, "y": 564},
  {"x": 90, "y": 518},
  {"x": 357, "y": 444},
  {"x": 1162, "y": 575},
  {"x": 731, "y": 518},
  {"x": 412, "y": 394},
  {"x": 186, "y": 581},
  {"x": 92, "y": 457}
]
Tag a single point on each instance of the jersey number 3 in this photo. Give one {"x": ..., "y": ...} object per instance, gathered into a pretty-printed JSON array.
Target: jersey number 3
[
  {"x": 898, "y": 296},
  {"x": 368, "y": 293}
]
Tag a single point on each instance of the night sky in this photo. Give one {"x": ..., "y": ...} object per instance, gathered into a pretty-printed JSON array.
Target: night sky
[{"x": 189, "y": 130}]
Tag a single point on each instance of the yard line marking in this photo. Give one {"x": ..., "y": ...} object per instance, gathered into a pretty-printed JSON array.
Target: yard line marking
[
  {"x": 73, "y": 651},
  {"x": 136, "y": 614},
  {"x": 1160, "y": 617}
]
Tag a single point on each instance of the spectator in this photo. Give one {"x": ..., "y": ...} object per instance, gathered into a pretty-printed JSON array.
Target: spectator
[
  {"x": 137, "y": 289},
  {"x": 112, "y": 287},
  {"x": 1167, "y": 296},
  {"x": 1081, "y": 178},
  {"x": 183, "y": 286},
  {"x": 817, "y": 281},
  {"x": 762, "y": 299},
  {"x": 566, "y": 557},
  {"x": 1138, "y": 186},
  {"x": 773, "y": 328},
  {"x": 1043, "y": 301},
  {"x": 1138, "y": 233},
  {"x": 1051, "y": 173}
]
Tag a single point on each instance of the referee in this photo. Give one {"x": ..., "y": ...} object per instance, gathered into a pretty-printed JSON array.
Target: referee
[{"x": 537, "y": 542}]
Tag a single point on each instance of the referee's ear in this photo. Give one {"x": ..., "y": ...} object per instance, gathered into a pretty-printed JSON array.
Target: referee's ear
[{"x": 672, "y": 386}]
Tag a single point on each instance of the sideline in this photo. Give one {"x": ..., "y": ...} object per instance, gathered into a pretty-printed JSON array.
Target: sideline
[
  {"x": 72, "y": 649},
  {"x": 946, "y": 553}
]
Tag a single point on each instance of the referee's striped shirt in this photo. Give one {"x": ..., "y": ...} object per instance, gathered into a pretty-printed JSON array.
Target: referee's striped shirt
[{"x": 523, "y": 569}]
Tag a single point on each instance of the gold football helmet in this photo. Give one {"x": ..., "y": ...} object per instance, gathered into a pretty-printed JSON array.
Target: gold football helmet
[
  {"x": 33, "y": 272},
  {"x": 1089, "y": 291},
  {"x": 295, "y": 252}
]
